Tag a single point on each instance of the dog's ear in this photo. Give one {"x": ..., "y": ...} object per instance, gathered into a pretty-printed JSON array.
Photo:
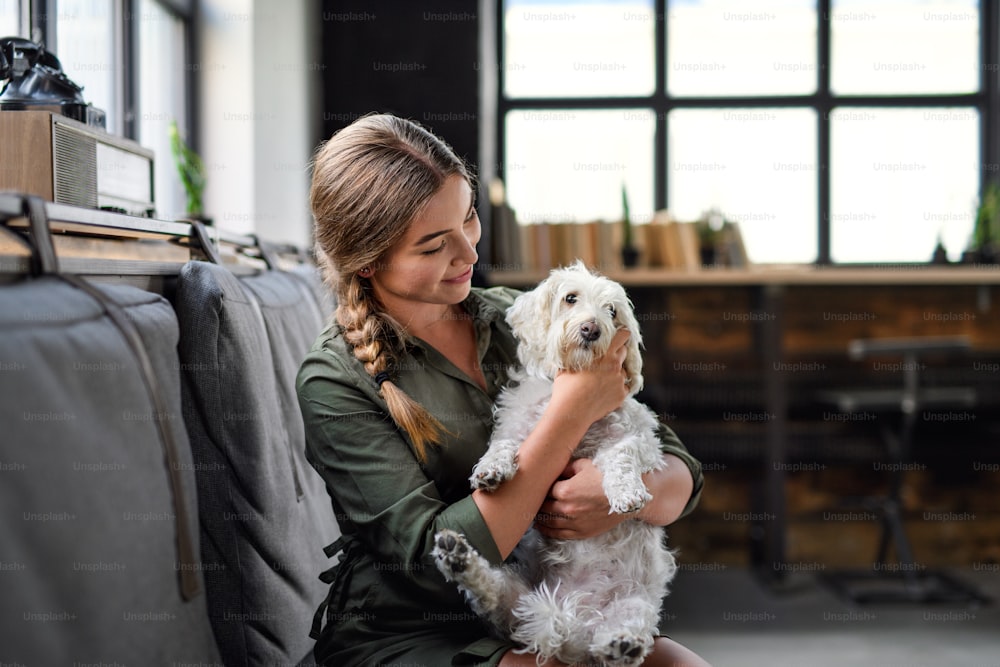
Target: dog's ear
[
  {"x": 529, "y": 318},
  {"x": 633, "y": 358}
]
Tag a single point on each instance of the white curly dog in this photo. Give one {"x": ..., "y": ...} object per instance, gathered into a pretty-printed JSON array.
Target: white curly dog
[{"x": 595, "y": 599}]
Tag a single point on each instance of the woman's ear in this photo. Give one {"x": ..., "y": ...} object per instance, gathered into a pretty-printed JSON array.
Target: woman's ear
[
  {"x": 529, "y": 318},
  {"x": 633, "y": 357}
]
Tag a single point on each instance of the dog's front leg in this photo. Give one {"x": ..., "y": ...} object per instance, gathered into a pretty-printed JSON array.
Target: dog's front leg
[
  {"x": 497, "y": 465},
  {"x": 622, "y": 475}
]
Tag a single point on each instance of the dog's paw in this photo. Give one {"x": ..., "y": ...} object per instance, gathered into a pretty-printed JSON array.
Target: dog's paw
[
  {"x": 452, "y": 553},
  {"x": 487, "y": 475},
  {"x": 630, "y": 501},
  {"x": 622, "y": 649}
]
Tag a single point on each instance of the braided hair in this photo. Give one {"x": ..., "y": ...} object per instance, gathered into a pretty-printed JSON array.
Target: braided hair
[{"x": 369, "y": 182}]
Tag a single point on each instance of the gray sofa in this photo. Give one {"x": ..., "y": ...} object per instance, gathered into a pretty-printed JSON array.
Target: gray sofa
[
  {"x": 265, "y": 514},
  {"x": 157, "y": 507}
]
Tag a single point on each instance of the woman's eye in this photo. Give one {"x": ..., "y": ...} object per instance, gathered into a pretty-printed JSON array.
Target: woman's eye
[
  {"x": 570, "y": 298},
  {"x": 435, "y": 250}
]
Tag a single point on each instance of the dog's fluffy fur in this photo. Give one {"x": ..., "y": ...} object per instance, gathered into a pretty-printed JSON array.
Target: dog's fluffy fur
[{"x": 574, "y": 600}]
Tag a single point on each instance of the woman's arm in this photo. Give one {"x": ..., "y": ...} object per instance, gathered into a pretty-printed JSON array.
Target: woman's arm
[
  {"x": 578, "y": 400},
  {"x": 577, "y": 507}
]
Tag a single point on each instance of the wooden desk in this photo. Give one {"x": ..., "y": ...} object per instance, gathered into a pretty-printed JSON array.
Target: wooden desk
[{"x": 769, "y": 319}]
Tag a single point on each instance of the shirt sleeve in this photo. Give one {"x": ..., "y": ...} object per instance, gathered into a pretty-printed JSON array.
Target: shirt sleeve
[
  {"x": 379, "y": 490},
  {"x": 671, "y": 444}
]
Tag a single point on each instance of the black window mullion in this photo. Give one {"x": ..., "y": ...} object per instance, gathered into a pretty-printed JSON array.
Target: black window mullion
[
  {"x": 989, "y": 62},
  {"x": 502, "y": 104},
  {"x": 661, "y": 152},
  {"x": 130, "y": 68},
  {"x": 824, "y": 106},
  {"x": 192, "y": 56}
]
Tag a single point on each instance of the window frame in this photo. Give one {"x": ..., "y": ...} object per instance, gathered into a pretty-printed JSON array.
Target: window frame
[
  {"x": 40, "y": 16},
  {"x": 986, "y": 100}
]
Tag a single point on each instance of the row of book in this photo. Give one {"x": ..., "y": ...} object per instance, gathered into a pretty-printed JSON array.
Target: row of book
[{"x": 662, "y": 244}]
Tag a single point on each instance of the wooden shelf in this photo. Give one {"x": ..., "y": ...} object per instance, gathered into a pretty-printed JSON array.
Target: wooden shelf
[
  {"x": 791, "y": 276},
  {"x": 102, "y": 243}
]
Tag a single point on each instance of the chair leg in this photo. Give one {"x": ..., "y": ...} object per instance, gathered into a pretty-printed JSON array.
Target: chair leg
[{"x": 904, "y": 581}]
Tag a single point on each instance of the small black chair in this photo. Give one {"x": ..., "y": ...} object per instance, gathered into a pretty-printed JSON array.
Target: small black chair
[{"x": 905, "y": 580}]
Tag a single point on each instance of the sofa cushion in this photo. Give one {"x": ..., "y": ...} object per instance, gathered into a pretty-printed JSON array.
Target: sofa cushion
[
  {"x": 90, "y": 566},
  {"x": 265, "y": 515}
]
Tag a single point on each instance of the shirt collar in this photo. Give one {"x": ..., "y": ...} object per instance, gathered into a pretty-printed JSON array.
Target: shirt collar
[
  {"x": 481, "y": 309},
  {"x": 485, "y": 316}
]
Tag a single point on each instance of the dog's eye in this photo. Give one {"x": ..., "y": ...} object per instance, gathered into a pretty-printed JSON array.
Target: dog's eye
[
  {"x": 570, "y": 298},
  {"x": 611, "y": 309}
]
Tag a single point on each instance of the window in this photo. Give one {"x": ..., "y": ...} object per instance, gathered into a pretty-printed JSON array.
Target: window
[
  {"x": 617, "y": 152},
  {"x": 882, "y": 48},
  {"x": 162, "y": 99},
  {"x": 570, "y": 50},
  {"x": 717, "y": 49},
  {"x": 900, "y": 179},
  {"x": 86, "y": 42},
  {"x": 10, "y": 18},
  {"x": 827, "y": 128},
  {"x": 757, "y": 166}
]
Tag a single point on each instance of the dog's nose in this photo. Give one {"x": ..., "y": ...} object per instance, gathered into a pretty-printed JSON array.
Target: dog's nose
[{"x": 589, "y": 331}]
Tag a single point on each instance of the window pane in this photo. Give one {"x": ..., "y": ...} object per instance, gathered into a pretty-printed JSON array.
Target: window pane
[
  {"x": 569, "y": 166},
  {"x": 734, "y": 47},
  {"x": 578, "y": 49},
  {"x": 898, "y": 179},
  {"x": 757, "y": 166},
  {"x": 85, "y": 41},
  {"x": 10, "y": 24},
  {"x": 162, "y": 67},
  {"x": 901, "y": 46}
]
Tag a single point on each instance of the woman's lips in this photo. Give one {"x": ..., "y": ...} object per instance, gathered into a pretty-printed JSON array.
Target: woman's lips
[{"x": 462, "y": 278}]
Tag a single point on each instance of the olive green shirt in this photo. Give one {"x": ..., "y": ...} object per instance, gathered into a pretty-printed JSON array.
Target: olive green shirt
[{"x": 385, "y": 590}]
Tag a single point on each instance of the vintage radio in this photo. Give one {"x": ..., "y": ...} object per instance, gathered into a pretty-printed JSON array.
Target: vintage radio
[{"x": 69, "y": 162}]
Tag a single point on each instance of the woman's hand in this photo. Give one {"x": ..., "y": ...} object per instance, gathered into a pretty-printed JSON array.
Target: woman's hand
[
  {"x": 590, "y": 394},
  {"x": 577, "y": 507}
]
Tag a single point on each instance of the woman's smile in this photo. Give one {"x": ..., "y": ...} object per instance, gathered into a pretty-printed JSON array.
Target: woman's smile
[{"x": 465, "y": 277}]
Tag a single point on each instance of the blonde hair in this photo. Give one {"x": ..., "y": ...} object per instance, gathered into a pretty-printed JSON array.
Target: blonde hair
[{"x": 369, "y": 182}]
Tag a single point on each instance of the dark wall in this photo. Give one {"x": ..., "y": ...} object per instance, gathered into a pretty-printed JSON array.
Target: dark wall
[{"x": 414, "y": 59}]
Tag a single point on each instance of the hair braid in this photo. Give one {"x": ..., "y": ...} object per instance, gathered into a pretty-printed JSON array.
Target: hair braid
[{"x": 374, "y": 336}]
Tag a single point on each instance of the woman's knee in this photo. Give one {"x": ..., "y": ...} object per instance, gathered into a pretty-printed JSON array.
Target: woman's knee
[
  {"x": 512, "y": 659},
  {"x": 666, "y": 653}
]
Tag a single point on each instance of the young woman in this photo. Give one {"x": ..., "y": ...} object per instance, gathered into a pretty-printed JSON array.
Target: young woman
[{"x": 397, "y": 397}]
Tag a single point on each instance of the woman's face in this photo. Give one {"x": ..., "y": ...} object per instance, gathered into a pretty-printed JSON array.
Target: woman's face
[{"x": 432, "y": 263}]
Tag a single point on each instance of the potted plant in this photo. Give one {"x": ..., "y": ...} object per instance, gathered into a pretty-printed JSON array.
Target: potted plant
[
  {"x": 630, "y": 253},
  {"x": 711, "y": 230},
  {"x": 192, "y": 172},
  {"x": 985, "y": 244}
]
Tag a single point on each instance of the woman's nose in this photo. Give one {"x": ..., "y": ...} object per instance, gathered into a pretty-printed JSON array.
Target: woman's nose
[{"x": 467, "y": 253}]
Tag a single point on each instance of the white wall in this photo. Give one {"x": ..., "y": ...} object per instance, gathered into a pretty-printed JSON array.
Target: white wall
[{"x": 258, "y": 115}]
